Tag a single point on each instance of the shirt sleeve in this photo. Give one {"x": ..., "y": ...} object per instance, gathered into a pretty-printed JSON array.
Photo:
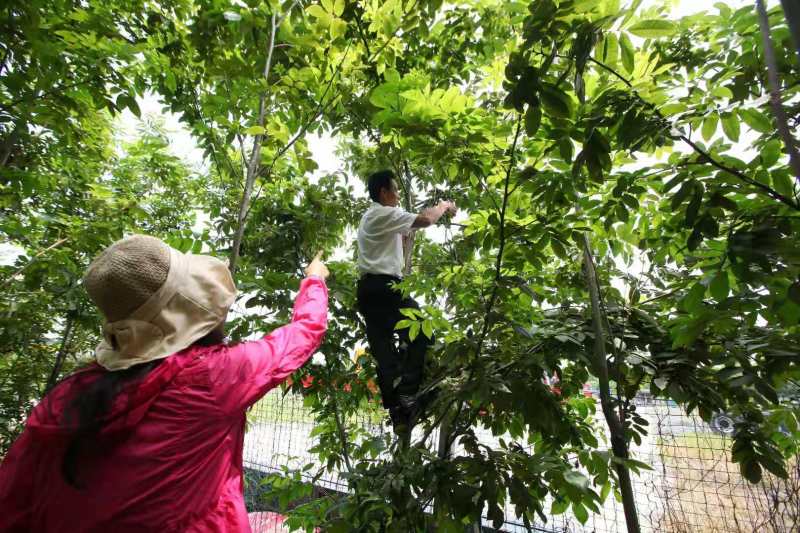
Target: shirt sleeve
[
  {"x": 390, "y": 220},
  {"x": 240, "y": 375}
]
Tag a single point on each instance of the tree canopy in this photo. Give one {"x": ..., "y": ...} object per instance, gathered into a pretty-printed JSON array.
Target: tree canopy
[{"x": 632, "y": 216}]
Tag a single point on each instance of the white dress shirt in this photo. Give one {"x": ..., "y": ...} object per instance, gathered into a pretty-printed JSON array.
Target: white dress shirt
[{"x": 380, "y": 242}]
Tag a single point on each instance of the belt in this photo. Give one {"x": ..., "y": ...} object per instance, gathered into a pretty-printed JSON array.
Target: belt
[{"x": 371, "y": 275}]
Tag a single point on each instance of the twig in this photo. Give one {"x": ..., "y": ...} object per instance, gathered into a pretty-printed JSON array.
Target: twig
[{"x": 33, "y": 259}]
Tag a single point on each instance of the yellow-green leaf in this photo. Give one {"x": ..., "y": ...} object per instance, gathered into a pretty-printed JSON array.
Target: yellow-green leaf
[
  {"x": 255, "y": 130},
  {"x": 338, "y": 28},
  {"x": 653, "y": 28},
  {"x": 338, "y": 7}
]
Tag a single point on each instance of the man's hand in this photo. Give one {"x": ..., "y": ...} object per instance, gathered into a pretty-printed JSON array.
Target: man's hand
[
  {"x": 431, "y": 215},
  {"x": 450, "y": 207},
  {"x": 317, "y": 267}
]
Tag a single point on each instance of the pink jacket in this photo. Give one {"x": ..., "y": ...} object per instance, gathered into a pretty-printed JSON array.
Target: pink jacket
[{"x": 170, "y": 456}]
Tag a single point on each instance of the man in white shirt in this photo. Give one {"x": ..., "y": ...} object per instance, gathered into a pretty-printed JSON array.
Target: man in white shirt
[{"x": 380, "y": 261}]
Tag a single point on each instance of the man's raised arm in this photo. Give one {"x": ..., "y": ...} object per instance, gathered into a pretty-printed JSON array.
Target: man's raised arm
[{"x": 431, "y": 215}]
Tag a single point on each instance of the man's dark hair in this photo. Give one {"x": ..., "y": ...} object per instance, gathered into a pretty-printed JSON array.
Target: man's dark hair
[{"x": 377, "y": 181}]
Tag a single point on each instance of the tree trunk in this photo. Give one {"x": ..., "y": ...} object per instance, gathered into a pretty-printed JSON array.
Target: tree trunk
[
  {"x": 62, "y": 353},
  {"x": 619, "y": 445},
  {"x": 255, "y": 157},
  {"x": 791, "y": 9}
]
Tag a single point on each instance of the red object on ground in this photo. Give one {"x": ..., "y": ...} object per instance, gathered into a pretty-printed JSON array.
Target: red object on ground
[
  {"x": 169, "y": 457},
  {"x": 265, "y": 522}
]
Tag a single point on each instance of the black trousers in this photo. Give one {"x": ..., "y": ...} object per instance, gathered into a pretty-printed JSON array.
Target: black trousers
[{"x": 380, "y": 305}]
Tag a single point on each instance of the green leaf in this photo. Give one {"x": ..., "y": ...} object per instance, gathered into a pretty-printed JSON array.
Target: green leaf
[
  {"x": 124, "y": 100},
  {"x": 694, "y": 298},
  {"x": 756, "y": 120},
  {"x": 783, "y": 182},
  {"x": 751, "y": 470},
  {"x": 255, "y": 130},
  {"x": 559, "y": 506},
  {"x": 721, "y": 92},
  {"x": 720, "y": 286},
  {"x": 533, "y": 118},
  {"x": 626, "y": 50},
  {"x": 338, "y": 28},
  {"x": 653, "y": 28},
  {"x": 577, "y": 479},
  {"x": 170, "y": 81},
  {"x": 565, "y": 148},
  {"x": 558, "y": 248},
  {"x": 710, "y": 126},
  {"x": 555, "y": 101},
  {"x": 771, "y": 153},
  {"x": 320, "y": 14},
  {"x": 730, "y": 125},
  {"x": 580, "y": 512}
]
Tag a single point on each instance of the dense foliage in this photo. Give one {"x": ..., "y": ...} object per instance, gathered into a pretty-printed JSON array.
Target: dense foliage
[{"x": 579, "y": 137}]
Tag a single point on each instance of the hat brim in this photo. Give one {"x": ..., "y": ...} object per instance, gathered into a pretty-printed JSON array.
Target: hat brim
[{"x": 194, "y": 299}]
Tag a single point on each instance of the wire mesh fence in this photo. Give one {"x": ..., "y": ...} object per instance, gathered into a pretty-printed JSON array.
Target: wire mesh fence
[{"x": 693, "y": 485}]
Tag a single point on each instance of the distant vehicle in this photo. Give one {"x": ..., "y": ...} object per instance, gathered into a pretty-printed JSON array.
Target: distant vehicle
[{"x": 723, "y": 424}]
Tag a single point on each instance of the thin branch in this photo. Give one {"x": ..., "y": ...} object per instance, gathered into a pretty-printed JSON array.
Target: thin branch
[
  {"x": 62, "y": 353},
  {"x": 252, "y": 166},
  {"x": 775, "y": 90},
  {"x": 496, "y": 283},
  {"x": 734, "y": 172},
  {"x": 320, "y": 109},
  {"x": 33, "y": 260},
  {"x": 501, "y": 247}
]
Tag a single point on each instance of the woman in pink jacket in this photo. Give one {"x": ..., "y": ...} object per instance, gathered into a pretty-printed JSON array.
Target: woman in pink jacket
[{"x": 150, "y": 437}]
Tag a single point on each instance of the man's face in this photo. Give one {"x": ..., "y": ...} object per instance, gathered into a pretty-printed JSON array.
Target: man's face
[{"x": 389, "y": 196}]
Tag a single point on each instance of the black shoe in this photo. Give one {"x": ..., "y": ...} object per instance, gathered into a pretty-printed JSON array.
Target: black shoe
[{"x": 400, "y": 421}]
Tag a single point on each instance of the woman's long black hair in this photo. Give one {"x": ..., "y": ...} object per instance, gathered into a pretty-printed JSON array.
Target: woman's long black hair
[{"x": 86, "y": 412}]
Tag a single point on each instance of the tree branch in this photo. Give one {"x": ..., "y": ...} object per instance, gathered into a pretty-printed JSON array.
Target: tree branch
[
  {"x": 734, "y": 172},
  {"x": 19, "y": 271},
  {"x": 253, "y": 164},
  {"x": 320, "y": 109},
  {"x": 501, "y": 247},
  {"x": 62, "y": 353},
  {"x": 775, "y": 90},
  {"x": 619, "y": 445}
]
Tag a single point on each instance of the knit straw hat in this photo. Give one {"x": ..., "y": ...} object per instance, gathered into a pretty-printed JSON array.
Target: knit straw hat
[{"x": 155, "y": 299}]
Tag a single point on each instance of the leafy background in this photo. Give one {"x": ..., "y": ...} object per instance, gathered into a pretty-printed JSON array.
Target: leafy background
[{"x": 630, "y": 216}]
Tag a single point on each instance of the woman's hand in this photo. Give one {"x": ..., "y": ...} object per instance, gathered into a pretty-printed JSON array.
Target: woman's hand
[{"x": 317, "y": 267}]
